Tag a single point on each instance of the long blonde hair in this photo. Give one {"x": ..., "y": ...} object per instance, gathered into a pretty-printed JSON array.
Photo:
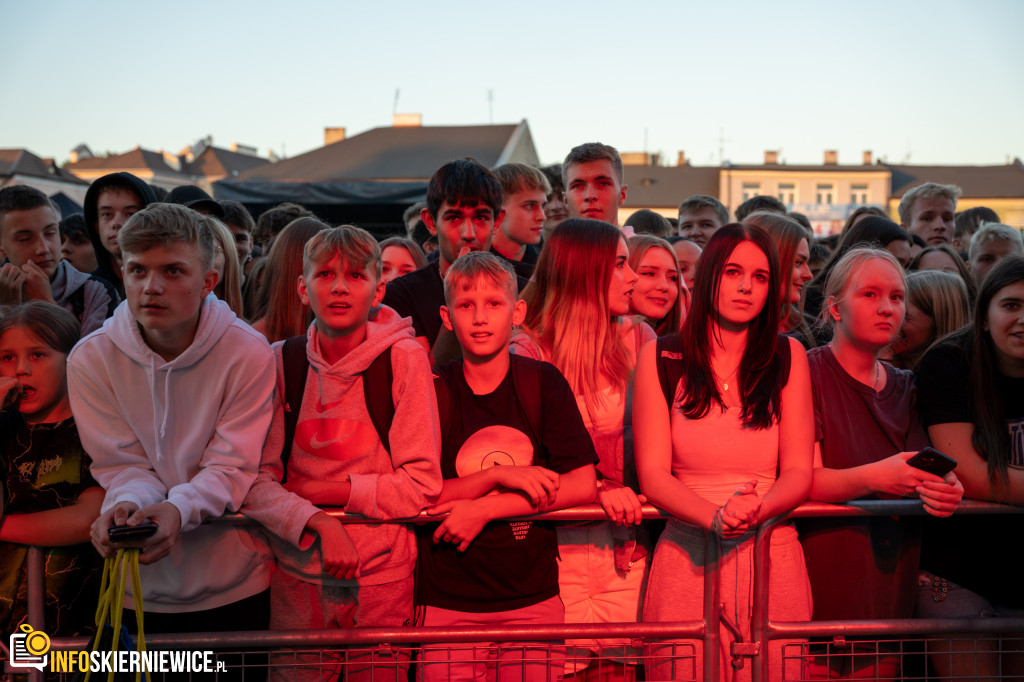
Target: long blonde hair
[
  {"x": 638, "y": 248},
  {"x": 567, "y": 309},
  {"x": 229, "y": 288}
]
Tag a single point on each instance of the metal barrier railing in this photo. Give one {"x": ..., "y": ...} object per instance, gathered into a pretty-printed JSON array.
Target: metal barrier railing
[{"x": 763, "y": 630}]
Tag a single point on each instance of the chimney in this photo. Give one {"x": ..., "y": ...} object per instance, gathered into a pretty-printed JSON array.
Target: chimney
[
  {"x": 831, "y": 157},
  {"x": 771, "y": 158},
  {"x": 74, "y": 156},
  {"x": 867, "y": 157},
  {"x": 635, "y": 158},
  {"x": 332, "y": 135},
  {"x": 681, "y": 160},
  {"x": 407, "y": 120},
  {"x": 172, "y": 160},
  {"x": 248, "y": 150}
]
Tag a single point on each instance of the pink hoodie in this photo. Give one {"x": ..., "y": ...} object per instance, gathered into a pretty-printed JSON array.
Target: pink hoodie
[{"x": 334, "y": 437}]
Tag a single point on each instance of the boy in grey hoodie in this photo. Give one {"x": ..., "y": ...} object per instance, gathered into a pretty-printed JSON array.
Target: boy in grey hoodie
[
  {"x": 355, "y": 575},
  {"x": 173, "y": 398},
  {"x": 30, "y": 241}
]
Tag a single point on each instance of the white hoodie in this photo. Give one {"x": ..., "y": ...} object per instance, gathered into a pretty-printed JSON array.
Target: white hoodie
[{"x": 188, "y": 431}]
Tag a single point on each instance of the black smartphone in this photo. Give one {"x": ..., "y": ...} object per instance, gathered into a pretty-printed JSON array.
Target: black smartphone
[
  {"x": 131, "y": 533},
  {"x": 932, "y": 461}
]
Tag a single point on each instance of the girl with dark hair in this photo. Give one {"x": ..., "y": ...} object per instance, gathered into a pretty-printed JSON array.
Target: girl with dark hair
[
  {"x": 50, "y": 497},
  {"x": 944, "y": 258},
  {"x": 731, "y": 448},
  {"x": 577, "y": 318},
  {"x": 400, "y": 256},
  {"x": 873, "y": 231},
  {"x": 794, "y": 247},
  {"x": 971, "y": 388},
  {"x": 279, "y": 313}
]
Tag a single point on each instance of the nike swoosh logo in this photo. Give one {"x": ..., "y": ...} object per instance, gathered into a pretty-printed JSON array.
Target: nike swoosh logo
[
  {"x": 321, "y": 408},
  {"x": 318, "y": 444}
]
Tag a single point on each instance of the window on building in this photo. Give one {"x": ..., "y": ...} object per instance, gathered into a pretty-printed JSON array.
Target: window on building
[
  {"x": 787, "y": 193},
  {"x": 751, "y": 190},
  {"x": 858, "y": 194},
  {"x": 824, "y": 194}
]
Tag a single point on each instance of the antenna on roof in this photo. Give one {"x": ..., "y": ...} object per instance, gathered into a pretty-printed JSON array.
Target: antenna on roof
[
  {"x": 490, "y": 105},
  {"x": 721, "y": 144},
  {"x": 394, "y": 110}
]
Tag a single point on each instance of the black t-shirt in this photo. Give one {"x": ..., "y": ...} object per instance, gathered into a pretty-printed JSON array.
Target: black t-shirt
[
  {"x": 510, "y": 564},
  {"x": 420, "y": 295},
  {"x": 976, "y": 552},
  {"x": 524, "y": 267},
  {"x": 45, "y": 467}
]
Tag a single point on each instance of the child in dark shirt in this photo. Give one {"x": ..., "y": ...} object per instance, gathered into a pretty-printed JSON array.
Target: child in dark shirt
[
  {"x": 50, "y": 498},
  {"x": 513, "y": 444}
]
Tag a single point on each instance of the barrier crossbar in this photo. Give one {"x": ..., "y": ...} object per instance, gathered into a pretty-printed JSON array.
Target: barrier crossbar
[{"x": 335, "y": 649}]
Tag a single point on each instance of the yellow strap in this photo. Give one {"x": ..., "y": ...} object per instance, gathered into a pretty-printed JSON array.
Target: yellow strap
[{"x": 111, "y": 602}]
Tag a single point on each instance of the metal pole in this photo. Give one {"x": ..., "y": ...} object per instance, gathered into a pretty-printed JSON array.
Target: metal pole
[
  {"x": 759, "y": 617},
  {"x": 712, "y": 607},
  {"x": 36, "y": 598}
]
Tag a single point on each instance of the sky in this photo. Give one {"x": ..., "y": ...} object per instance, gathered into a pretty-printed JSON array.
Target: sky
[{"x": 921, "y": 82}]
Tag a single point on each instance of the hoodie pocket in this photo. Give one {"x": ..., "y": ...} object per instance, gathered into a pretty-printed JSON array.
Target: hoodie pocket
[{"x": 381, "y": 545}]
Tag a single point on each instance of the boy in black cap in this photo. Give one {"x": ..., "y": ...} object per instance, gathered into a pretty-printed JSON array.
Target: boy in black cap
[{"x": 195, "y": 198}]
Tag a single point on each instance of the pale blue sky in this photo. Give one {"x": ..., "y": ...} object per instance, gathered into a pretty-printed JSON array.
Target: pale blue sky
[{"x": 941, "y": 79}]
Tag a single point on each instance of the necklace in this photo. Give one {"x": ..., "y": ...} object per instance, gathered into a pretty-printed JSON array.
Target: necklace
[
  {"x": 725, "y": 382},
  {"x": 878, "y": 375}
]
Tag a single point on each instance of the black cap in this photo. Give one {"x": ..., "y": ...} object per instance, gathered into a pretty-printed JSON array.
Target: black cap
[{"x": 196, "y": 199}]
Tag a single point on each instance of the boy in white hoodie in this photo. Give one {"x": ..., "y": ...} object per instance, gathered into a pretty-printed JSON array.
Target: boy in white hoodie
[
  {"x": 353, "y": 575},
  {"x": 173, "y": 400}
]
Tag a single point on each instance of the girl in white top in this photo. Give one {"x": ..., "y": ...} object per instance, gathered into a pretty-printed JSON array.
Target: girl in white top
[
  {"x": 732, "y": 450},
  {"x": 577, "y": 319}
]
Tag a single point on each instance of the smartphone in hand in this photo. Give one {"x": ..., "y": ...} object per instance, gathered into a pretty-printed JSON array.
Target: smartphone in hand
[
  {"x": 932, "y": 461},
  {"x": 131, "y": 533}
]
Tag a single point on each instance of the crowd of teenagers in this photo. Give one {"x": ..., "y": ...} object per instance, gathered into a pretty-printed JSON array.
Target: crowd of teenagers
[{"x": 519, "y": 352}]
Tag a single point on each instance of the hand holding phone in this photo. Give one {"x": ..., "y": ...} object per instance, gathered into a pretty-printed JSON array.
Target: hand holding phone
[
  {"x": 933, "y": 461},
  {"x": 118, "y": 534}
]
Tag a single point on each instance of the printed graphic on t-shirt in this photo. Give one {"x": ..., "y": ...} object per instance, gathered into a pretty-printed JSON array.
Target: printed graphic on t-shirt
[
  {"x": 494, "y": 446},
  {"x": 335, "y": 438},
  {"x": 1016, "y": 442}
]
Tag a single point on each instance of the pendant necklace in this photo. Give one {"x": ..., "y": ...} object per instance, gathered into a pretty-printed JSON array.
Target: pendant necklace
[{"x": 725, "y": 382}]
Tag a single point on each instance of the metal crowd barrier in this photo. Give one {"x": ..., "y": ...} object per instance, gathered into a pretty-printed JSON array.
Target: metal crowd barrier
[{"x": 399, "y": 645}]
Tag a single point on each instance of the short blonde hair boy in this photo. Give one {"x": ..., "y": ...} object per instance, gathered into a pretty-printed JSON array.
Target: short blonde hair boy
[
  {"x": 357, "y": 247},
  {"x": 468, "y": 270}
]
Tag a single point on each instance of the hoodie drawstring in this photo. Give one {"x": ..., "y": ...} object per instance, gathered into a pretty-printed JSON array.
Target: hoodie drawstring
[{"x": 166, "y": 404}]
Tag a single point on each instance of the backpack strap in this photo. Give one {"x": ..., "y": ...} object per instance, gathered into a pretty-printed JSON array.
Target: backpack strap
[
  {"x": 785, "y": 353},
  {"x": 77, "y": 301},
  {"x": 111, "y": 294},
  {"x": 669, "y": 362},
  {"x": 377, "y": 381},
  {"x": 444, "y": 404},
  {"x": 296, "y": 369}
]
